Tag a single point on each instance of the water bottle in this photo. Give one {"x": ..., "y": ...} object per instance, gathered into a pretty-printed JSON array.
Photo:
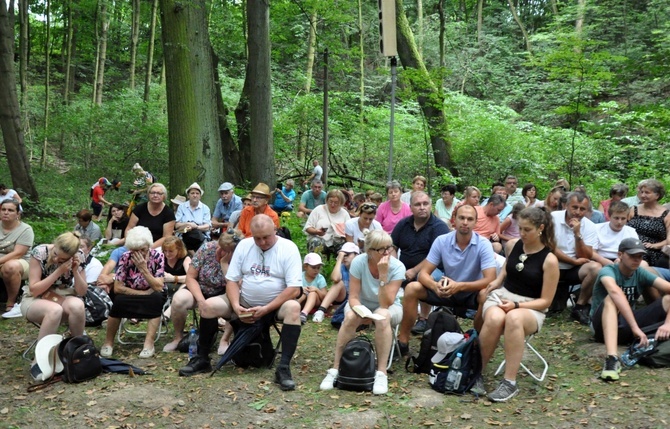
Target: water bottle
[
  {"x": 192, "y": 344},
  {"x": 630, "y": 357},
  {"x": 454, "y": 375}
]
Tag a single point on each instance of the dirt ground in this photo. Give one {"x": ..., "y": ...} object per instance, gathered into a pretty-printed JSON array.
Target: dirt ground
[{"x": 572, "y": 395}]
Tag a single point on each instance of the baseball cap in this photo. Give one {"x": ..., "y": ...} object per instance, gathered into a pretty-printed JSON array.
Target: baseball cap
[
  {"x": 632, "y": 246},
  {"x": 447, "y": 343},
  {"x": 226, "y": 186},
  {"x": 312, "y": 259},
  {"x": 350, "y": 247}
]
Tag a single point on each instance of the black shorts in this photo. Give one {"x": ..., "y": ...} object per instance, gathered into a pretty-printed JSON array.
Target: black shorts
[
  {"x": 459, "y": 300},
  {"x": 97, "y": 208},
  {"x": 570, "y": 276},
  {"x": 645, "y": 317}
]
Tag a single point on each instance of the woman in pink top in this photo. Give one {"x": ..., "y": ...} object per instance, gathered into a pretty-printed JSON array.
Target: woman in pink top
[{"x": 392, "y": 210}]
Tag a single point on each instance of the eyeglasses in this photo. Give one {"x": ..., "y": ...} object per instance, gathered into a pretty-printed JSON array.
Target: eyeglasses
[
  {"x": 155, "y": 193},
  {"x": 522, "y": 259},
  {"x": 383, "y": 250}
]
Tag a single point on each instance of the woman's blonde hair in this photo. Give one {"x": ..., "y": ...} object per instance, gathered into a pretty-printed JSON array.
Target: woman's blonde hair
[
  {"x": 161, "y": 187},
  {"x": 335, "y": 193},
  {"x": 376, "y": 239},
  {"x": 68, "y": 242},
  {"x": 229, "y": 239}
]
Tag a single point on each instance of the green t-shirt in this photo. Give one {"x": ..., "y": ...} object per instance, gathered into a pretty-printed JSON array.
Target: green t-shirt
[{"x": 632, "y": 286}]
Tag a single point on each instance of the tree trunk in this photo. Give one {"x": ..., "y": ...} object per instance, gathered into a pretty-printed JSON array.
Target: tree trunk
[
  {"x": 520, "y": 24},
  {"x": 309, "y": 72},
  {"x": 262, "y": 167},
  {"x": 579, "y": 22},
  {"x": 361, "y": 62},
  {"x": 443, "y": 26},
  {"x": 428, "y": 94},
  {"x": 182, "y": 107},
  {"x": 231, "y": 155},
  {"x": 10, "y": 113},
  {"x": 24, "y": 44},
  {"x": 134, "y": 38},
  {"x": 419, "y": 24},
  {"x": 480, "y": 20},
  {"x": 47, "y": 76},
  {"x": 208, "y": 166},
  {"x": 242, "y": 119},
  {"x": 68, "y": 54},
  {"x": 150, "y": 57},
  {"x": 102, "y": 52}
]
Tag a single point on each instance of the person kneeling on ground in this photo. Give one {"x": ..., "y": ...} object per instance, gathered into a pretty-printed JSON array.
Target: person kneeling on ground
[
  {"x": 264, "y": 277},
  {"x": 617, "y": 288},
  {"x": 375, "y": 280}
]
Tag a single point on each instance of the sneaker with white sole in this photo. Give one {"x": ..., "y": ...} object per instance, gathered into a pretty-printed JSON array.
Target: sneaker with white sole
[
  {"x": 504, "y": 392},
  {"x": 478, "y": 388},
  {"x": 328, "y": 382},
  {"x": 611, "y": 369},
  {"x": 318, "y": 316},
  {"x": 13, "y": 313},
  {"x": 381, "y": 386}
]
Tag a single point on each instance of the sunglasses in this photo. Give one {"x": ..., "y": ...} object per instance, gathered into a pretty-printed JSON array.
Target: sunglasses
[{"x": 368, "y": 207}]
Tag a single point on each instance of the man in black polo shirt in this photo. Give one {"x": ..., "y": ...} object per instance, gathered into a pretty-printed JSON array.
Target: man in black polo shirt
[{"x": 413, "y": 236}]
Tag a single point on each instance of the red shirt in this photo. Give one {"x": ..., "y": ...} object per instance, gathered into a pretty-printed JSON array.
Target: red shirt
[{"x": 98, "y": 193}]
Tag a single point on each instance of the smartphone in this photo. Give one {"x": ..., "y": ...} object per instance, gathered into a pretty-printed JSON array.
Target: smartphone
[
  {"x": 245, "y": 315},
  {"x": 278, "y": 185}
]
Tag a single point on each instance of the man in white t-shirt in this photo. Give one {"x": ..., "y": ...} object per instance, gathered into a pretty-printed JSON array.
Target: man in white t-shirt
[
  {"x": 264, "y": 277},
  {"x": 317, "y": 172},
  {"x": 610, "y": 234}
]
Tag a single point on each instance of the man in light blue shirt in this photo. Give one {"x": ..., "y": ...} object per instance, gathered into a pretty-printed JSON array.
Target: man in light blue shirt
[
  {"x": 227, "y": 204},
  {"x": 284, "y": 197},
  {"x": 469, "y": 266}
]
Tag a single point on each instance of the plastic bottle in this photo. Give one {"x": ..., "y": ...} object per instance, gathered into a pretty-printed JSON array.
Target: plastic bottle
[
  {"x": 454, "y": 375},
  {"x": 192, "y": 344},
  {"x": 630, "y": 357}
]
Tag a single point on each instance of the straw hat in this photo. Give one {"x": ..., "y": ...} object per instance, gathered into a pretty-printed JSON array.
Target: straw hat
[
  {"x": 194, "y": 185},
  {"x": 262, "y": 189},
  {"x": 178, "y": 200}
]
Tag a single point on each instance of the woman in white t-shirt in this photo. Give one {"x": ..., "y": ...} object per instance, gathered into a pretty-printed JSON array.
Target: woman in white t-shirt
[{"x": 16, "y": 239}]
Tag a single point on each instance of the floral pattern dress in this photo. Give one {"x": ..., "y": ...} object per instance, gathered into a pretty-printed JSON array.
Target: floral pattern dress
[
  {"x": 210, "y": 275},
  {"x": 130, "y": 275}
]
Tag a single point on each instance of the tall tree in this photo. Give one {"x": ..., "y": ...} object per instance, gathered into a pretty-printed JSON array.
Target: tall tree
[
  {"x": 69, "y": 35},
  {"x": 428, "y": 94},
  {"x": 193, "y": 126},
  {"x": 134, "y": 39},
  {"x": 103, "y": 20},
  {"x": 262, "y": 165},
  {"x": 515, "y": 15},
  {"x": 10, "y": 113},
  {"x": 150, "y": 57},
  {"x": 24, "y": 43},
  {"x": 47, "y": 81}
]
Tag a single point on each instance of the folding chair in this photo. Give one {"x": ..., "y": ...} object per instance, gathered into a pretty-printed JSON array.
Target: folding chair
[
  {"x": 395, "y": 348},
  {"x": 125, "y": 330},
  {"x": 529, "y": 346}
]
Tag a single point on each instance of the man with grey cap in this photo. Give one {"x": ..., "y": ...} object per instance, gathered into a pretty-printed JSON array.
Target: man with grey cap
[
  {"x": 227, "y": 204},
  {"x": 613, "y": 318}
]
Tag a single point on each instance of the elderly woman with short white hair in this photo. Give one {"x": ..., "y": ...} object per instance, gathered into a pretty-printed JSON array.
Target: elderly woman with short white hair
[
  {"x": 138, "y": 291},
  {"x": 374, "y": 281}
]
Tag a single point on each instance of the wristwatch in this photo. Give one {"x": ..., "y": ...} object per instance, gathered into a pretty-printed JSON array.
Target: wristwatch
[
  {"x": 382, "y": 283},
  {"x": 578, "y": 236}
]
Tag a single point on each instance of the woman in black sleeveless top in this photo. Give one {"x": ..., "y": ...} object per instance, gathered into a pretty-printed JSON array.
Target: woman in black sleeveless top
[{"x": 516, "y": 301}]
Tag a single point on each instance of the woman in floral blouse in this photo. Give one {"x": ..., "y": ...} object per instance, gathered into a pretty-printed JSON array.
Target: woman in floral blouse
[
  {"x": 139, "y": 290},
  {"x": 209, "y": 267}
]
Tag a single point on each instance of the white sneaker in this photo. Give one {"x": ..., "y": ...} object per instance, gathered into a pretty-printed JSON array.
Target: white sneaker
[
  {"x": 318, "y": 316},
  {"x": 381, "y": 385},
  {"x": 13, "y": 313},
  {"x": 329, "y": 381}
]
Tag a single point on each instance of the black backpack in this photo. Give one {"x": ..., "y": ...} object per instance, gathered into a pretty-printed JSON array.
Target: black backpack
[
  {"x": 439, "y": 322},
  {"x": 80, "y": 357},
  {"x": 358, "y": 366},
  {"x": 467, "y": 373},
  {"x": 659, "y": 356},
  {"x": 97, "y": 305},
  {"x": 259, "y": 353}
]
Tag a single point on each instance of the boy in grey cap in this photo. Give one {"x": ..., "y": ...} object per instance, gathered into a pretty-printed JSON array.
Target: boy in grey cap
[{"x": 613, "y": 317}]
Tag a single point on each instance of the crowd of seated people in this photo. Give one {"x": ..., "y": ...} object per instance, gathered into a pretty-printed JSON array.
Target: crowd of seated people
[{"x": 449, "y": 254}]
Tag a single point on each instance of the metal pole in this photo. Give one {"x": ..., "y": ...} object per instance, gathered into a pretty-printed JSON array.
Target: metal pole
[
  {"x": 324, "y": 165},
  {"x": 394, "y": 64}
]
